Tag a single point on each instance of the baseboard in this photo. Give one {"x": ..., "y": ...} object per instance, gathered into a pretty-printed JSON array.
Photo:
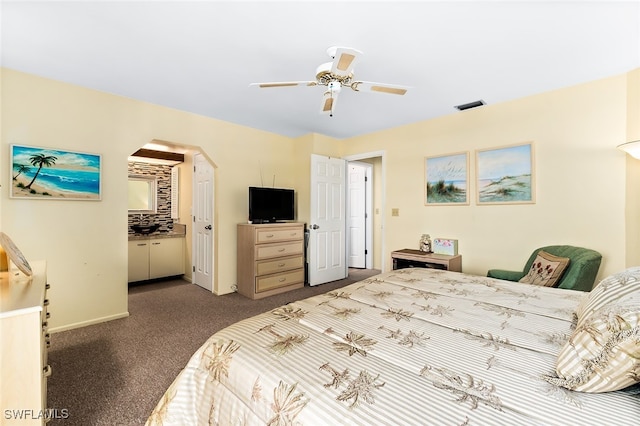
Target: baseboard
[{"x": 86, "y": 323}]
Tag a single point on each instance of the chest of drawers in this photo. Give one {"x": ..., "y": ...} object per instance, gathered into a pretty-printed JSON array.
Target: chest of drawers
[
  {"x": 270, "y": 258},
  {"x": 24, "y": 342}
]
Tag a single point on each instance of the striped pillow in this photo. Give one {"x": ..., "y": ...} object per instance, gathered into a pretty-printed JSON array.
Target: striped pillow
[
  {"x": 610, "y": 290},
  {"x": 603, "y": 353}
]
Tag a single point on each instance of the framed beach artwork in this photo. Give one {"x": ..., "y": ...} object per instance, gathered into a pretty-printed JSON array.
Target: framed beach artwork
[
  {"x": 48, "y": 173},
  {"x": 447, "y": 180},
  {"x": 505, "y": 175}
]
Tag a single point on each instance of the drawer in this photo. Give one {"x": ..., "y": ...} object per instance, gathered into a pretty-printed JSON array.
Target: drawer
[
  {"x": 276, "y": 235},
  {"x": 277, "y": 250},
  {"x": 278, "y": 265},
  {"x": 280, "y": 280}
]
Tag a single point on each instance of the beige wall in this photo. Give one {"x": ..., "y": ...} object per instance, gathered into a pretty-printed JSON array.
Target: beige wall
[
  {"x": 580, "y": 177},
  {"x": 633, "y": 172},
  {"x": 581, "y": 180},
  {"x": 85, "y": 243}
]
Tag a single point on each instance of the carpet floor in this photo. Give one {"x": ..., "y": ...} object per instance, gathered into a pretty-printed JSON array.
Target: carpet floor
[{"x": 114, "y": 373}]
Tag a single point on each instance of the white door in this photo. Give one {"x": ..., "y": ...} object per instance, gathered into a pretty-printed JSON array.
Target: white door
[
  {"x": 356, "y": 215},
  {"x": 202, "y": 222},
  {"x": 326, "y": 250}
]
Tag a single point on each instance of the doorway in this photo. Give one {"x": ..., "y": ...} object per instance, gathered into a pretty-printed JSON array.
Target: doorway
[
  {"x": 359, "y": 215},
  {"x": 191, "y": 202},
  {"x": 374, "y": 208}
]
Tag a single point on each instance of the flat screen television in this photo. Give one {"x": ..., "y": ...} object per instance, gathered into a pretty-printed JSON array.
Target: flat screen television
[{"x": 271, "y": 204}]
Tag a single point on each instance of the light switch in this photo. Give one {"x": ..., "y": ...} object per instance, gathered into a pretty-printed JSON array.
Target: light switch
[{"x": 395, "y": 212}]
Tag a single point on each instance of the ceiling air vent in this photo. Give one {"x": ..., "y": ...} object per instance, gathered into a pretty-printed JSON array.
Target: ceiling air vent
[{"x": 470, "y": 105}]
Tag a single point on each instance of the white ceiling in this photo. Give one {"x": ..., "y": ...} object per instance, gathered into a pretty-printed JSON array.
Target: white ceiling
[{"x": 201, "y": 56}]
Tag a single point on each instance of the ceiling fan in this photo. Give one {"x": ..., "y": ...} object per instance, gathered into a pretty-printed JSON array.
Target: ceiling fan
[{"x": 338, "y": 74}]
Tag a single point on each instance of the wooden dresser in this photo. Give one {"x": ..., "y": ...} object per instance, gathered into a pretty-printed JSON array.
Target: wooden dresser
[
  {"x": 408, "y": 258},
  {"x": 270, "y": 258},
  {"x": 24, "y": 342}
]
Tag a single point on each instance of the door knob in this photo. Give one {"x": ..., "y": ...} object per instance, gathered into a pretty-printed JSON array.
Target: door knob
[
  {"x": 314, "y": 226},
  {"x": 208, "y": 227}
]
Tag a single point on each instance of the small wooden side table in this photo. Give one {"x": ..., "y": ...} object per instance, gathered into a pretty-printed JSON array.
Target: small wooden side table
[{"x": 408, "y": 258}]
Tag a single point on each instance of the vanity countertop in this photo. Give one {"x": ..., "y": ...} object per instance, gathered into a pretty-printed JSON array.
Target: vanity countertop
[
  {"x": 156, "y": 235},
  {"x": 179, "y": 230}
]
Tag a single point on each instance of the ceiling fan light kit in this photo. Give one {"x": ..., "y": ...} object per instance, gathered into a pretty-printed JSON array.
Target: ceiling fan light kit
[{"x": 337, "y": 74}]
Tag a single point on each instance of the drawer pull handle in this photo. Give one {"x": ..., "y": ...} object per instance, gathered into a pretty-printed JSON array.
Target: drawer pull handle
[
  {"x": 270, "y": 236},
  {"x": 46, "y": 371},
  {"x": 155, "y": 244},
  {"x": 280, "y": 265},
  {"x": 46, "y": 302},
  {"x": 281, "y": 250},
  {"x": 47, "y": 286},
  {"x": 282, "y": 280}
]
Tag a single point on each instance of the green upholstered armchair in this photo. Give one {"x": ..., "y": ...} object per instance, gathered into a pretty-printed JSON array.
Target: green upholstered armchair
[{"x": 579, "y": 275}]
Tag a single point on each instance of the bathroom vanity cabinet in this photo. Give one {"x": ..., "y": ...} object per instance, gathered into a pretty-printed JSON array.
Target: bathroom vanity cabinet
[{"x": 155, "y": 257}]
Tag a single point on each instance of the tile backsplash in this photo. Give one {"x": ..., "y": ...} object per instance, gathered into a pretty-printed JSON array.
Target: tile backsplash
[{"x": 163, "y": 216}]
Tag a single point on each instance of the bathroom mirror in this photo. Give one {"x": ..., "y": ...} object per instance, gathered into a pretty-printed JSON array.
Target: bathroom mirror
[{"x": 142, "y": 194}]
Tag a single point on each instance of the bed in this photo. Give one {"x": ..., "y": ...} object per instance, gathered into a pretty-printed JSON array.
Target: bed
[{"x": 423, "y": 347}]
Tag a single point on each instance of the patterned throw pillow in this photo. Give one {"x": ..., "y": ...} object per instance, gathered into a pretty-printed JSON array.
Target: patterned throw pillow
[
  {"x": 609, "y": 291},
  {"x": 603, "y": 353},
  {"x": 546, "y": 270}
]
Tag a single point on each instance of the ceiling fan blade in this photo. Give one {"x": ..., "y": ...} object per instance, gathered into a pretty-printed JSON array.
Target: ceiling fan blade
[
  {"x": 344, "y": 59},
  {"x": 329, "y": 99},
  {"x": 284, "y": 84},
  {"x": 370, "y": 86}
]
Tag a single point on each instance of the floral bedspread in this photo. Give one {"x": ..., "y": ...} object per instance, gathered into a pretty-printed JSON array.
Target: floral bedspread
[{"x": 406, "y": 347}]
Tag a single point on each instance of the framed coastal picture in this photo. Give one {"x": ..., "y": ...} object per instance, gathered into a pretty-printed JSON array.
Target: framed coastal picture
[
  {"x": 505, "y": 175},
  {"x": 49, "y": 173},
  {"x": 447, "y": 180}
]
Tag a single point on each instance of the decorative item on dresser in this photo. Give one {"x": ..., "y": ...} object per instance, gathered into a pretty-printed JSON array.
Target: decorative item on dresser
[
  {"x": 408, "y": 258},
  {"x": 270, "y": 258},
  {"x": 24, "y": 342},
  {"x": 425, "y": 243}
]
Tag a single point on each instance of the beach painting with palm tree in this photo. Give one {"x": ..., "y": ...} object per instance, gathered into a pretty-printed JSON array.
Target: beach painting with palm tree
[{"x": 45, "y": 173}]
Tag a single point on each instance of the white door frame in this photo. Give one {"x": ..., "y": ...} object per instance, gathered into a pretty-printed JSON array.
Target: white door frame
[{"x": 383, "y": 183}]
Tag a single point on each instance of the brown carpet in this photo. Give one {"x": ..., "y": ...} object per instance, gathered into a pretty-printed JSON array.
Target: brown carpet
[{"x": 115, "y": 373}]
